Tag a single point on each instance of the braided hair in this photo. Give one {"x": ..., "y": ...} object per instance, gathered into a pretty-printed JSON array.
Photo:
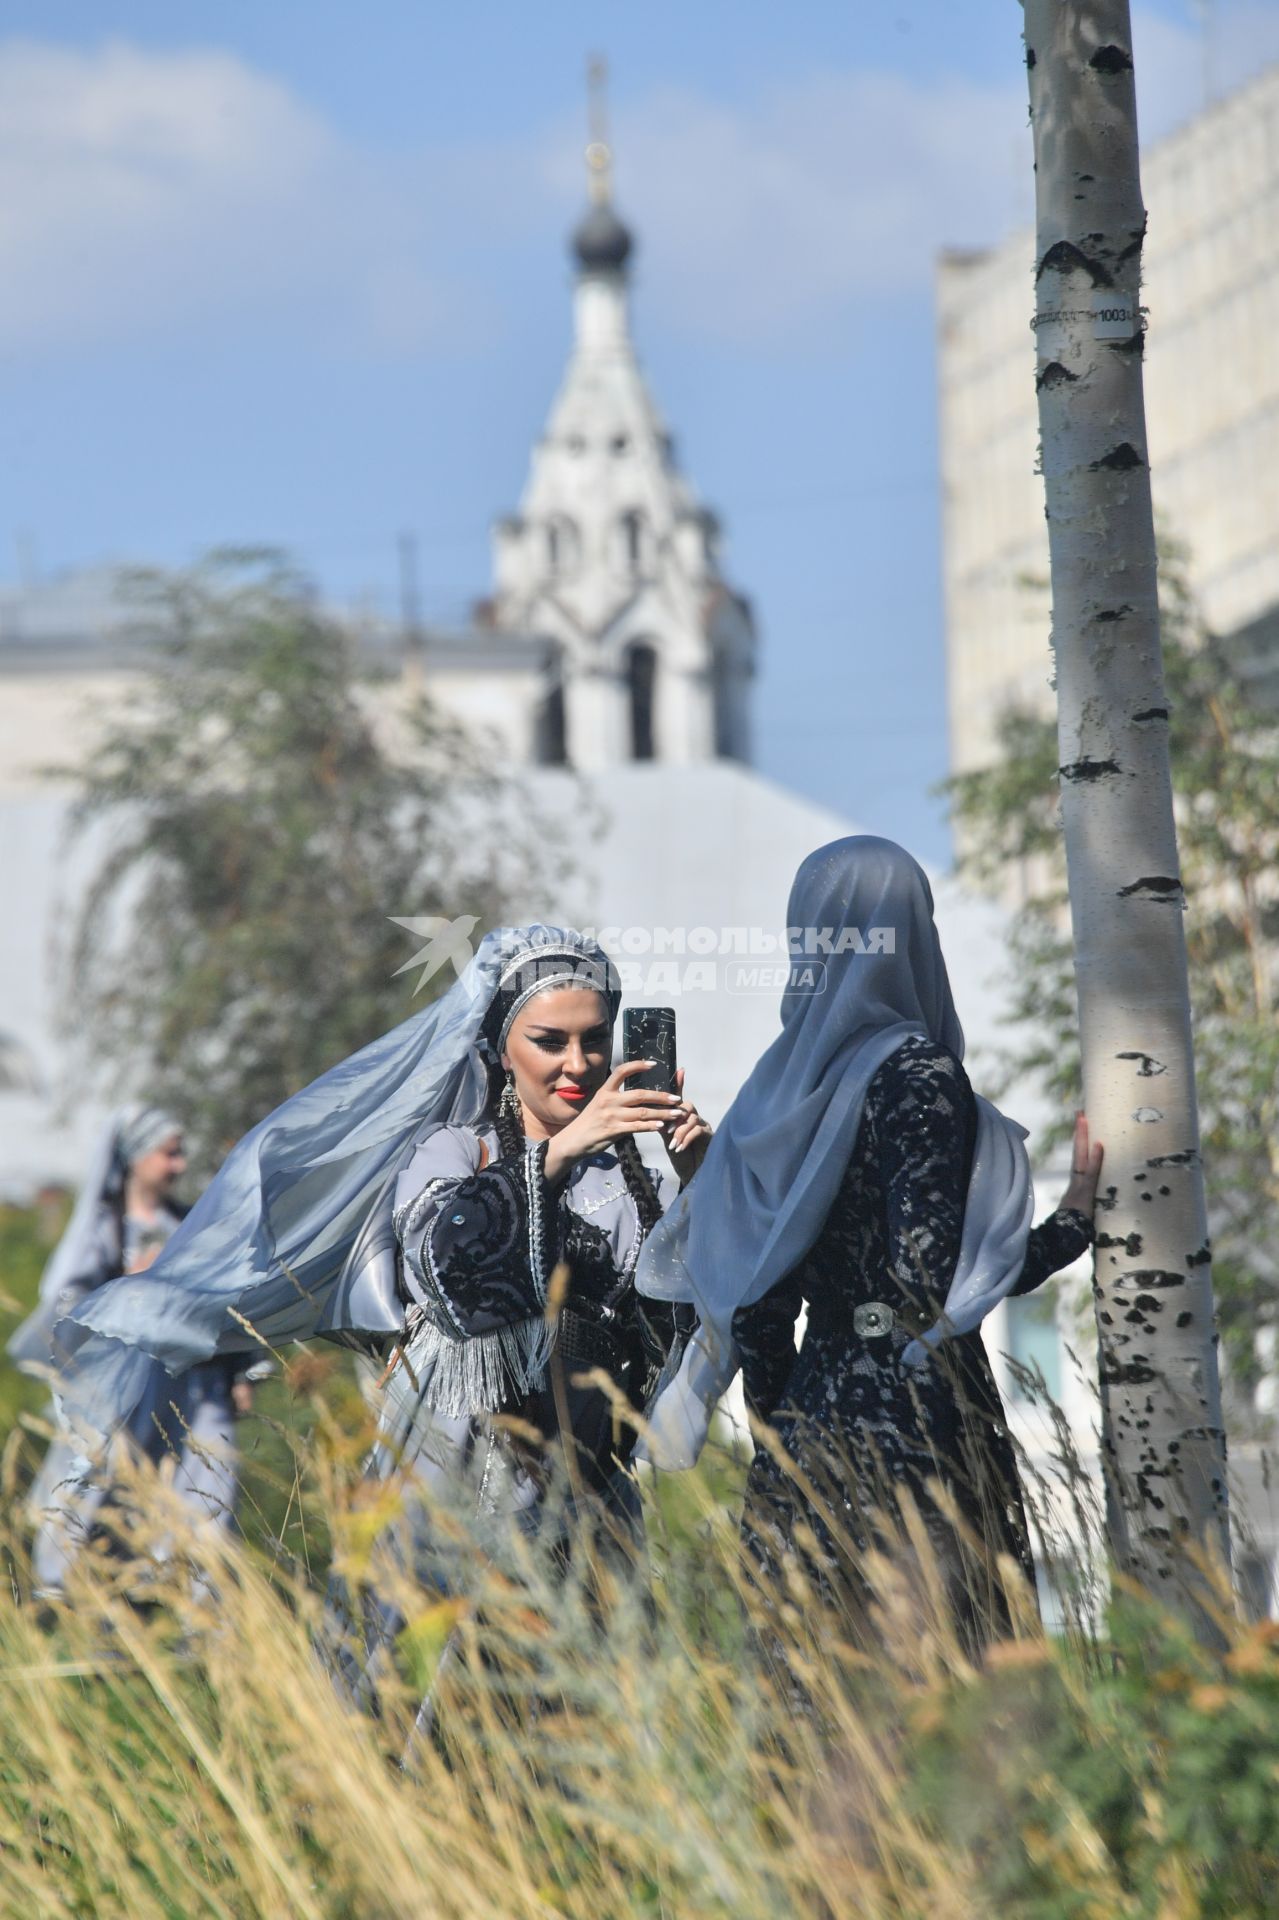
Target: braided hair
[
  {"x": 639, "y": 1184},
  {"x": 510, "y": 1134}
]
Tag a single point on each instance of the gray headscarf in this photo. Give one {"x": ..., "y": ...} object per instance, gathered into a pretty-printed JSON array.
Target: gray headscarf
[
  {"x": 774, "y": 1167},
  {"x": 86, "y": 1255},
  {"x": 265, "y": 1255}
]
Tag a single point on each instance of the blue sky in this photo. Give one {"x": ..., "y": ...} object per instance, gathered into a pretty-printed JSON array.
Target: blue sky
[{"x": 295, "y": 272}]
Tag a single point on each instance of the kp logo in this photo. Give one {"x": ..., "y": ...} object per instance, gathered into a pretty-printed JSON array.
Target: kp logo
[{"x": 445, "y": 940}]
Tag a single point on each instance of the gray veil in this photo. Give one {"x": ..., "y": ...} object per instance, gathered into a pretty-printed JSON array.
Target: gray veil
[
  {"x": 264, "y": 1256},
  {"x": 90, "y": 1248},
  {"x": 774, "y": 1167}
]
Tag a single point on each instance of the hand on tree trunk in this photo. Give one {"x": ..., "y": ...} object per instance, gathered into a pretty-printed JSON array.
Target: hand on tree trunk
[{"x": 1085, "y": 1171}]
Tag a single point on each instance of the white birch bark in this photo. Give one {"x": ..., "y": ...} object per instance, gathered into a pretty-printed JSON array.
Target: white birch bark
[{"x": 1163, "y": 1442}]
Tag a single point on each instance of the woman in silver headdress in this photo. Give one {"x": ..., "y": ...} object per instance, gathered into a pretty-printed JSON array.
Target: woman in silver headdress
[
  {"x": 418, "y": 1196},
  {"x": 124, "y": 1215},
  {"x": 857, "y": 1171},
  {"x": 546, "y": 1175}
]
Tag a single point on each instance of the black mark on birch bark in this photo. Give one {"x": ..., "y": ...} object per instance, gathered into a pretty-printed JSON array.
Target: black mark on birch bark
[
  {"x": 1121, "y": 459},
  {"x": 1149, "y": 713},
  {"x": 1130, "y": 1242},
  {"x": 1186, "y": 1158},
  {"x": 1109, "y": 614},
  {"x": 1130, "y": 1373},
  {"x": 1138, "y": 239},
  {"x": 1202, "y": 1257},
  {"x": 1054, "y": 375},
  {"x": 1111, "y": 60},
  {"x": 1065, "y": 257},
  {"x": 1085, "y": 770},
  {"x": 1160, "y": 887},
  {"x": 1146, "y": 1071}
]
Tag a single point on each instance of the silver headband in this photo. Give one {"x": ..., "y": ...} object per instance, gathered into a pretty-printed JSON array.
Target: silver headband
[
  {"x": 570, "y": 974},
  {"x": 570, "y": 978}
]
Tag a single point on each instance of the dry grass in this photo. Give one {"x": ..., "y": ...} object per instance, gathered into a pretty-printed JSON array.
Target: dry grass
[{"x": 616, "y": 1740}]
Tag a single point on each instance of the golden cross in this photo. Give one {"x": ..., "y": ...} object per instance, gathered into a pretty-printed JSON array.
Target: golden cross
[{"x": 599, "y": 158}]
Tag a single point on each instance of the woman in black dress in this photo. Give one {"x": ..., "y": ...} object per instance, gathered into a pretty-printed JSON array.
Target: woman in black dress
[{"x": 858, "y": 1172}]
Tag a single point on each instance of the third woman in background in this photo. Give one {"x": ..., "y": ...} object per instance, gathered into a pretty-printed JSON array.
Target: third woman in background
[{"x": 125, "y": 1214}]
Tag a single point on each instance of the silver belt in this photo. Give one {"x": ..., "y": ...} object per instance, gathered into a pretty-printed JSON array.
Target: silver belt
[{"x": 873, "y": 1319}]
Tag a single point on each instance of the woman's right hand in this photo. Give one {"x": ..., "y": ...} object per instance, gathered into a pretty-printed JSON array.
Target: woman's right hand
[{"x": 610, "y": 1115}]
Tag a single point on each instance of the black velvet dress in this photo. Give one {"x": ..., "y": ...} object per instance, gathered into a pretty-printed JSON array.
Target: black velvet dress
[{"x": 860, "y": 1426}]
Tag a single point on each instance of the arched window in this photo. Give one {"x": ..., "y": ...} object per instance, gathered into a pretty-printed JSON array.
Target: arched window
[
  {"x": 722, "y": 706},
  {"x": 633, "y": 541},
  {"x": 550, "y": 744},
  {"x": 641, "y": 683},
  {"x": 562, "y": 545}
]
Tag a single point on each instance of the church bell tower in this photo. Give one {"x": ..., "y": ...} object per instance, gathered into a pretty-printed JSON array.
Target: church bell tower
[{"x": 611, "y": 562}]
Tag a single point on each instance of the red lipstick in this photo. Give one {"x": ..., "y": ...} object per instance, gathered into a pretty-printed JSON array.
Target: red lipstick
[{"x": 571, "y": 1093}]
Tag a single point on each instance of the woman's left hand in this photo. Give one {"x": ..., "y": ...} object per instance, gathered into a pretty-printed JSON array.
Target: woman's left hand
[
  {"x": 1085, "y": 1171},
  {"x": 688, "y": 1136}
]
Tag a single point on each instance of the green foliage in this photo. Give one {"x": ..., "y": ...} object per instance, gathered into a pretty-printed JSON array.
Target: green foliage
[
  {"x": 1225, "y": 769},
  {"x": 263, "y": 813},
  {"x": 1142, "y": 1785},
  {"x": 27, "y": 1236}
]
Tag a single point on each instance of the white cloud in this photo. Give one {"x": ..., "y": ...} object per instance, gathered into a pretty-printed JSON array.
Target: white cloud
[
  {"x": 185, "y": 196},
  {"x": 142, "y": 192},
  {"x": 795, "y": 216},
  {"x": 827, "y": 196}
]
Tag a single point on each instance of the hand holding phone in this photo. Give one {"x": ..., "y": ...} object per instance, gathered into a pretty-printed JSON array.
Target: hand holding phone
[{"x": 648, "y": 1033}]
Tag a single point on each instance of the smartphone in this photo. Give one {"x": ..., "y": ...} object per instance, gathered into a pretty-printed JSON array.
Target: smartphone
[{"x": 648, "y": 1033}]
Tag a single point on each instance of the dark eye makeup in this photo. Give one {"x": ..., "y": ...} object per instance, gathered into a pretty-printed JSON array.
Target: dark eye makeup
[{"x": 554, "y": 1042}]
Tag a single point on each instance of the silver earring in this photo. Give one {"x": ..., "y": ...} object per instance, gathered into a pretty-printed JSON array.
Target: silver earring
[{"x": 510, "y": 1101}]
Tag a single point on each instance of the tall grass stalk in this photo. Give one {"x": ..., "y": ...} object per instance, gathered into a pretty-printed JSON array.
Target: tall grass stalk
[{"x": 622, "y": 1736}]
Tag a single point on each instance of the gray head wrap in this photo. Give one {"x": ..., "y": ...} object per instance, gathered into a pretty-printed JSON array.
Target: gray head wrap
[
  {"x": 541, "y": 968},
  {"x": 79, "y": 1255},
  {"x": 140, "y": 1130},
  {"x": 772, "y": 1171}
]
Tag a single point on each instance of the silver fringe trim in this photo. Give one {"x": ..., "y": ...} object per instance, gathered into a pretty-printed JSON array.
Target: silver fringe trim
[
  {"x": 479, "y": 1374},
  {"x": 467, "y": 1374}
]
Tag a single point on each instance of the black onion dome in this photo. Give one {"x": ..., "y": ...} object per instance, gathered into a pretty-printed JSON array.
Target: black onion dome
[{"x": 600, "y": 240}]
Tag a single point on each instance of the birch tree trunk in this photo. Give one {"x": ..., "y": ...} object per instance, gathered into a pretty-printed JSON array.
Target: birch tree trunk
[{"x": 1163, "y": 1442}]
